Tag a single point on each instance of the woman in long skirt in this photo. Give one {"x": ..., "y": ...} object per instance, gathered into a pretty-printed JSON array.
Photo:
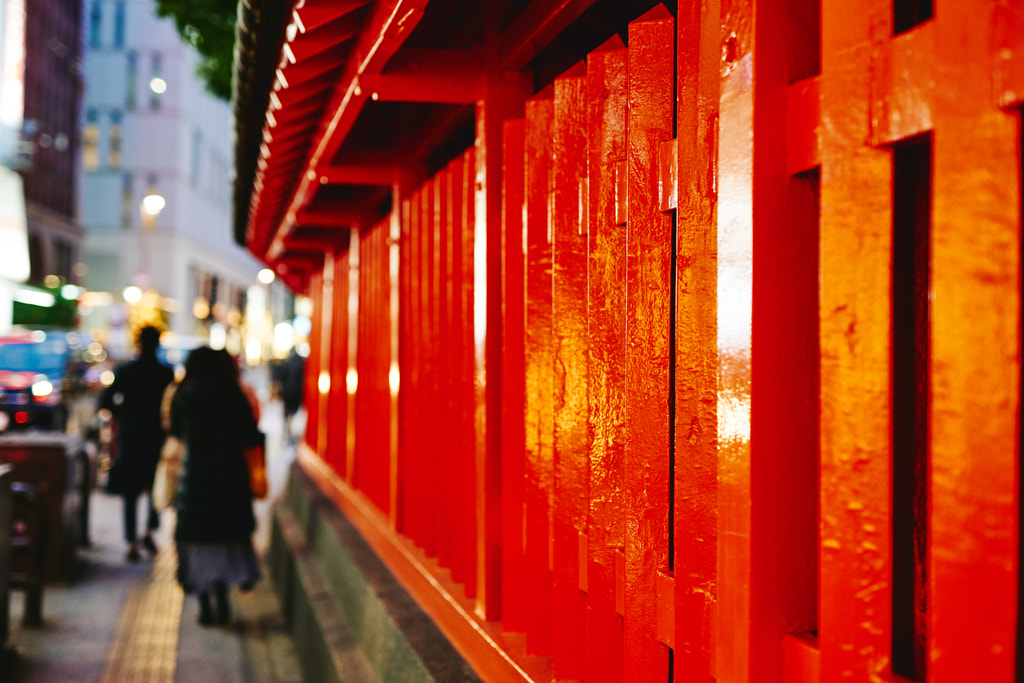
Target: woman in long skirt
[{"x": 213, "y": 501}]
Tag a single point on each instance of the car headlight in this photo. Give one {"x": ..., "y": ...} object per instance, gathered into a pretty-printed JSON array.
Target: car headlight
[{"x": 42, "y": 389}]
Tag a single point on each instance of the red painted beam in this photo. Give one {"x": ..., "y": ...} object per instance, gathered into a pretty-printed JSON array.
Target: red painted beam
[
  {"x": 902, "y": 84},
  {"x": 535, "y": 27},
  {"x": 389, "y": 24},
  {"x": 418, "y": 75}
]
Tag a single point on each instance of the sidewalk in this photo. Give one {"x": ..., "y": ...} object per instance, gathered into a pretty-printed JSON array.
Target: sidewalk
[{"x": 117, "y": 621}]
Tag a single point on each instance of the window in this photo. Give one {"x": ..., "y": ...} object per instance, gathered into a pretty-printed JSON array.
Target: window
[
  {"x": 95, "y": 23},
  {"x": 197, "y": 145},
  {"x": 131, "y": 79},
  {"x": 116, "y": 134},
  {"x": 126, "y": 200},
  {"x": 62, "y": 253},
  {"x": 90, "y": 142},
  {"x": 119, "y": 25}
]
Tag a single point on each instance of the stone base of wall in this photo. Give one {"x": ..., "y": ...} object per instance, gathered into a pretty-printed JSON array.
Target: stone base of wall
[{"x": 350, "y": 618}]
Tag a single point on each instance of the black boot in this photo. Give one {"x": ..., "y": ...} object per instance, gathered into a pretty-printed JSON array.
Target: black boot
[
  {"x": 223, "y": 605},
  {"x": 205, "y": 611}
]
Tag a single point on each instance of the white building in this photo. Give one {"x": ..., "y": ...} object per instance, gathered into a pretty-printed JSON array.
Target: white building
[{"x": 150, "y": 128}]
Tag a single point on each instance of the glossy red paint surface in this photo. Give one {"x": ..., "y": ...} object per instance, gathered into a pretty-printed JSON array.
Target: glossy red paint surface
[
  {"x": 569, "y": 328},
  {"x": 539, "y": 375},
  {"x": 513, "y": 381},
  {"x": 606, "y": 94},
  {"x": 975, "y": 367},
  {"x": 696, "y": 389},
  {"x": 856, "y": 228},
  {"x": 534, "y": 463},
  {"x": 648, "y": 352}
]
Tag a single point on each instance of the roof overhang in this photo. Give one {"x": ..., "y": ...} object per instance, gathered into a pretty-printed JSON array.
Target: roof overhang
[{"x": 339, "y": 101}]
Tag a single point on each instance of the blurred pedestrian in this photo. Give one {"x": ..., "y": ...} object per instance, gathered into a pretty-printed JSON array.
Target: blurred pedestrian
[
  {"x": 134, "y": 400},
  {"x": 215, "y": 519},
  {"x": 291, "y": 384}
]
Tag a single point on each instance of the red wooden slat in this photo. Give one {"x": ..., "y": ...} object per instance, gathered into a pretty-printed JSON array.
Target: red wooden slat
[
  {"x": 513, "y": 382},
  {"x": 336, "y": 455},
  {"x": 780, "y": 236},
  {"x": 975, "y": 405},
  {"x": 539, "y": 371},
  {"x": 467, "y": 388},
  {"x": 696, "y": 457},
  {"x": 311, "y": 399},
  {"x": 648, "y": 275},
  {"x": 606, "y": 93},
  {"x": 569, "y": 327},
  {"x": 856, "y": 227}
]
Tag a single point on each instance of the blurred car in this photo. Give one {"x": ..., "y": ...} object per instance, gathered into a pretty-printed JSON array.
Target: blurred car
[
  {"x": 41, "y": 373},
  {"x": 33, "y": 379}
]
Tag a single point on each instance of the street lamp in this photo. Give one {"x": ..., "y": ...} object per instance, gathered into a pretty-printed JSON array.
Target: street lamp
[{"x": 153, "y": 204}]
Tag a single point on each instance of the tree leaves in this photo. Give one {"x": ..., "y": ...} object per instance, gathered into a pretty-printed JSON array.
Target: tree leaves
[{"x": 209, "y": 26}]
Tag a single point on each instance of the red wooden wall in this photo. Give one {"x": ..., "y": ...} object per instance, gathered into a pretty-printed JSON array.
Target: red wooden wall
[{"x": 758, "y": 363}]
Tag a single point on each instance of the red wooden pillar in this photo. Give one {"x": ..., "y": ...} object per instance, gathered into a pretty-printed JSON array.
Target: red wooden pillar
[
  {"x": 410, "y": 474},
  {"x": 346, "y": 381},
  {"x": 467, "y": 374},
  {"x": 444, "y": 457},
  {"x": 395, "y": 316},
  {"x": 460, "y": 372},
  {"x": 606, "y": 94},
  {"x": 569, "y": 326},
  {"x": 976, "y": 353},
  {"x": 539, "y": 371},
  {"x": 311, "y": 397},
  {"x": 696, "y": 389},
  {"x": 430, "y": 379},
  {"x": 648, "y": 352},
  {"x": 856, "y": 247},
  {"x": 405, "y": 457},
  {"x": 503, "y": 96},
  {"x": 371, "y": 475},
  {"x": 338, "y": 400},
  {"x": 782, "y": 271},
  {"x": 513, "y": 380}
]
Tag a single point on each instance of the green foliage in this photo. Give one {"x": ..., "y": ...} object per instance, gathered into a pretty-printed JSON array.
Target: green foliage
[{"x": 209, "y": 26}]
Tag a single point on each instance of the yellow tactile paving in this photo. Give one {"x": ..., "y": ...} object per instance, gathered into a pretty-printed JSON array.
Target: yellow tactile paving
[{"x": 146, "y": 647}]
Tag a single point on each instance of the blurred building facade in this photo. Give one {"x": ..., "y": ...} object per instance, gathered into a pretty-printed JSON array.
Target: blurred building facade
[
  {"x": 156, "y": 165},
  {"x": 50, "y": 137}
]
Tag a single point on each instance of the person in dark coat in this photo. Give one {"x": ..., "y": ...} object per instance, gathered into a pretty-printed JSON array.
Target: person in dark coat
[
  {"x": 213, "y": 501},
  {"x": 291, "y": 375},
  {"x": 134, "y": 399}
]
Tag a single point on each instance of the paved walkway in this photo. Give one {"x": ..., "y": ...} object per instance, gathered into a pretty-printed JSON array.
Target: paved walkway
[{"x": 120, "y": 622}]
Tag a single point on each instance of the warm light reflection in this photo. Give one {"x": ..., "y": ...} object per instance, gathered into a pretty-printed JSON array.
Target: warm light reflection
[
  {"x": 323, "y": 383},
  {"x": 352, "y": 380},
  {"x": 394, "y": 379}
]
